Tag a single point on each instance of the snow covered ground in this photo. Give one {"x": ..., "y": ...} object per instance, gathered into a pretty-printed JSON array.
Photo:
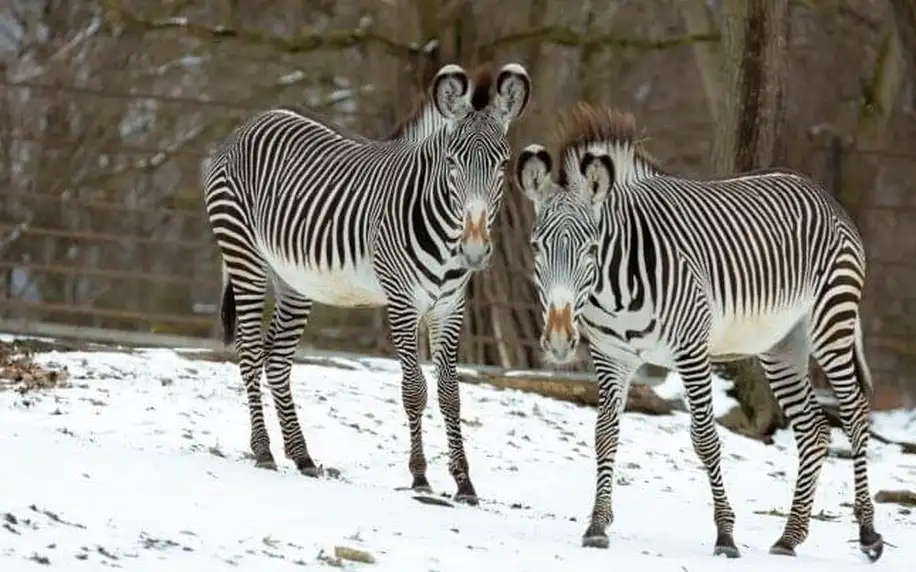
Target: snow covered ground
[{"x": 141, "y": 465}]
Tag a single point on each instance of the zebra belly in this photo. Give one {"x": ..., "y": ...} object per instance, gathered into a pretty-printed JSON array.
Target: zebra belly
[
  {"x": 355, "y": 286},
  {"x": 751, "y": 335}
]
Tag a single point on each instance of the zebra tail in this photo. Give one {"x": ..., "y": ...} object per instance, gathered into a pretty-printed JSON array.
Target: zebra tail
[
  {"x": 227, "y": 311},
  {"x": 863, "y": 372}
]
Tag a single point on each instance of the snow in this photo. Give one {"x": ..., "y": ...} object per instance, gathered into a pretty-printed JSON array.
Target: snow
[
  {"x": 142, "y": 464},
  {"x": 673, "y": 388},
  {"x": 898, "y": 425}
]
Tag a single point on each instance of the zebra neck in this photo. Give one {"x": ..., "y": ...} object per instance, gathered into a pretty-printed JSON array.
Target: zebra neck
[
  {"x": 432, "y": 218},
  {"x": 637, "y": 172},
  {"x": 426, "y": 123},
  {"x": 630, "y": 254}
]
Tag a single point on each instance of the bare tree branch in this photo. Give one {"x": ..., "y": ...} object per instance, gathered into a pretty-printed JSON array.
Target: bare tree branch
[
  {"x": 331, "y": 40},
  {"x": 563, "y": 36}
]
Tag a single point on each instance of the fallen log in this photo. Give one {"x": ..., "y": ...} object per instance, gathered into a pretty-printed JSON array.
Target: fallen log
[{"x": 641, "y": 398}]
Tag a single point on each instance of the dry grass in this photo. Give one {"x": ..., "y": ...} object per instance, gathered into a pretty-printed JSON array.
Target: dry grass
[{"x": 19, "y": 372}]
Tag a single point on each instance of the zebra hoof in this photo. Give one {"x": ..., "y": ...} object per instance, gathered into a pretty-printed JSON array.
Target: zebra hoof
[
  {"x": 727, "y": 551},
  {"x": 421, "y": 485},
  {"x": 780, "y": 549},
  {"x": 595, "y": 537},
  {"x": 466, "y": 494},
  {"x": 468, "y": 499},
  {"x": 725, "y": 546},
  {"x": 265, "y": 463},
  {"x": 596, "y": 541},
  {"x": 871, "y": 543},
  {"x": 307, "y": 467}
]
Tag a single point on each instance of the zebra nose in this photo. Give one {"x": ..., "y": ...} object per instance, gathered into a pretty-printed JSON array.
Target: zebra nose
[
  {"x": 476, "y": 255},
  {"x": 560, "y": 336},
  {"x": 559, "y": 349}
]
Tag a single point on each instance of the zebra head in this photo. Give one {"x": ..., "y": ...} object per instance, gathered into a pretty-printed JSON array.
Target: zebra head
[
  {"x": 478, "y": 112},
  {"x": 565, "y": 241}
]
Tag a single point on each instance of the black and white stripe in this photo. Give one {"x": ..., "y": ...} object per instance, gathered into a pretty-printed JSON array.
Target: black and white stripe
[
  {"x": 684, "y": 273},
  {"x": 331, "y": 217}
]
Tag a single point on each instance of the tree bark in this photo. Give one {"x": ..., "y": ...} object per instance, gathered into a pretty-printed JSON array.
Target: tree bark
[
  {"x": 754, "y": 34},
  {"x": 748, "y": 137},
  {"x": 698, "y": 22},
  {"x": 904, "y": 15}
]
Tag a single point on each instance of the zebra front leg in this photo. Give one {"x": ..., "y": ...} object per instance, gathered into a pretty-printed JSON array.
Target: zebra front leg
[
  {"x": 788, "y": 376},
  {"x": 249, "y": 293},
  {"x": 847, "y": 371},
  {"x": 444, "y": 334},
  {"x": 403, "y": 322},
  {"x": 290, "y": 316},
  {"x": 695, "y": 370},
  {"x": 614, "y": 374}
]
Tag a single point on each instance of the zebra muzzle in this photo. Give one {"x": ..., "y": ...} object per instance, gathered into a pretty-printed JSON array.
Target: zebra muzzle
[
  {"x": 560, "y": 338},
  {"x": 475, "y": 245}
]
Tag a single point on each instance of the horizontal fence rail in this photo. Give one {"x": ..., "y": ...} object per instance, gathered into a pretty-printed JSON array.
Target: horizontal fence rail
[{"x": 105, "y": 229}]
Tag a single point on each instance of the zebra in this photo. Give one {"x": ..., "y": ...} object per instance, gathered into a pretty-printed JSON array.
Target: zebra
[
  {"x": 337, "y": 218},
  {"x": 683, "y": 273}
]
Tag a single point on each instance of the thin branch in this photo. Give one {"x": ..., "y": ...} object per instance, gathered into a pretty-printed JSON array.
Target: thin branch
[
  {"x": 329, "y": 41},
  {"x": 60, "y": 55},
  {"x": 343, "y": 39},
  {"x": 568, "y": 37}
]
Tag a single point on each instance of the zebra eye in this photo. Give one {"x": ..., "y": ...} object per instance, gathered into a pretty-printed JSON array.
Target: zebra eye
[{"x": 593, "y": 250}]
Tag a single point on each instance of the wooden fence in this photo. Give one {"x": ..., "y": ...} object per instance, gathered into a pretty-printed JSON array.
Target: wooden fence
[{"x": 109, "y": 233}]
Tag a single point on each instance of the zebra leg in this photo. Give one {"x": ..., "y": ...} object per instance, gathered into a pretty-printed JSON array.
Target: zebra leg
[
  {"x": 786, "y": 370},
  {"x": 403, "y": 322},
  {"x": 291, "y": 314},
  {"x": 250, "y": 291},
  {"x": 841, "y": 358},
  {"x": 444, "y": 333},
  {"x": 695, "y": 370},
  {"x": 614, "y": 374}
]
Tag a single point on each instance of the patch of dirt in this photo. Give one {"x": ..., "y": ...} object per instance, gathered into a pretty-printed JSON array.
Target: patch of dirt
[{"x": 19, "y": 372}]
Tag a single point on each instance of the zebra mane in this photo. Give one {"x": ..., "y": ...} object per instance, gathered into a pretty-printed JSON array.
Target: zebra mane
[
  {"x": 482, "y": 79},
  {"x": 586, "y": 126}
]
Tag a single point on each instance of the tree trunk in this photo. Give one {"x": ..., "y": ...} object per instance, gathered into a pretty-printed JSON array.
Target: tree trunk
[
  {"x": 748, "y": 137},
  {"x": 904, "y": 15},
  {"x": 698, "y": 21}
]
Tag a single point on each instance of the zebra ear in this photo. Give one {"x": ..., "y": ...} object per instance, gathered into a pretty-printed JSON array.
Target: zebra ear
[
  {"x": 597, "y": 178},
  {"x": 532, "y": 173},
  {"x": 450, "y": 91},
  {"x": 513, "y": 90}
]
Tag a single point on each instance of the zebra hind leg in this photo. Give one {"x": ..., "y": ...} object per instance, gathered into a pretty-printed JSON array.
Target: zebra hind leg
[
  {"x": 290, "y": 316},
  {"x": 696, "y": 372},
  {"x": 444, "y": 332},
  {"x": 841, "y": 357},
  {"x": 786, "y": 369},
  {"x": 250, "y": 292},
  {"x": 403, "y": 323}
]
